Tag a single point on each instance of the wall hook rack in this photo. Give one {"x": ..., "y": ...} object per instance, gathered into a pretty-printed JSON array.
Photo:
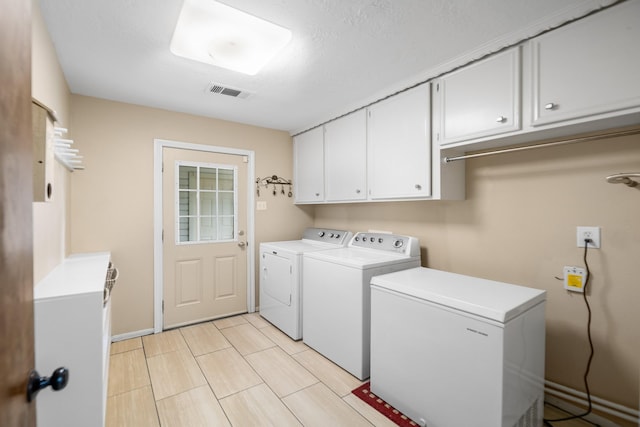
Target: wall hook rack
[{"x": 276, "y": 181}]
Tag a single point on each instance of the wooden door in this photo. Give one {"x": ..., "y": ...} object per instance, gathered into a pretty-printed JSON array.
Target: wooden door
[
  {"x": 204, "y": 245},
  {"x": 16, "y": 229}
]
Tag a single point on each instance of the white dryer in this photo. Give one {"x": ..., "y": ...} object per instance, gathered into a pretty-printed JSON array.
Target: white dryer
[
  {"x": 336, "y": 294},
  {"x": 281, "y": 276}
]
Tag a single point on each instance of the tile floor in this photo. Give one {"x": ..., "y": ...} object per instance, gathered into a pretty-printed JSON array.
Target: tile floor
[{"x": 237, "y": 371}]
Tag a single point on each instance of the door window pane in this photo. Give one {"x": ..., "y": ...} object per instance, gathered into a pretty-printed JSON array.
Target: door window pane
[
  {"x": 208, "y": 179},
  {"x": 206, "y": 208},
  {"x": 226, "y": 203}
]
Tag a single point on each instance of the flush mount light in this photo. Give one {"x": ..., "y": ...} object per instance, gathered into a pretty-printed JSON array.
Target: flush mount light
[{"x": 214, "y": 33}]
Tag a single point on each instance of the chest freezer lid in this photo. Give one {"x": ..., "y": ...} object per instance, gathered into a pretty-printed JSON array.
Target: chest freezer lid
[{"x": 487, "y": 298}]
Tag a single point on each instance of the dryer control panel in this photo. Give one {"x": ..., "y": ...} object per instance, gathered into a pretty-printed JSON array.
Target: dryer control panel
[
  {"x": 338, "y": 237},
  {"x": 405, "y": 245}
]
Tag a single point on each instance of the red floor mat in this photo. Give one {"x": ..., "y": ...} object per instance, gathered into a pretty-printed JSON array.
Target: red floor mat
[{"x": 364, "y": 393}]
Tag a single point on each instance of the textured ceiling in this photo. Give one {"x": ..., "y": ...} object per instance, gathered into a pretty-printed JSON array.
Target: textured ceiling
[{"x": 344, "y": 53}]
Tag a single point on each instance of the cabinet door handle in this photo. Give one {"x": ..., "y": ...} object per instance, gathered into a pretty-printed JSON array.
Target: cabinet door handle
[
  {"x": 550, "y": 106},
  {"x": 501, "y": 119},
  {"x": 418, "y": 187}
]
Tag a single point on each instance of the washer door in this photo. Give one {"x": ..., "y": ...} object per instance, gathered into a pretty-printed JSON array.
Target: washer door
[{"x": 277, "y": 277}]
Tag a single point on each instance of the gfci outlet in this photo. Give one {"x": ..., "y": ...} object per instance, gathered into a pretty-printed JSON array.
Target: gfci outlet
[{"x": 592, "y": 233}]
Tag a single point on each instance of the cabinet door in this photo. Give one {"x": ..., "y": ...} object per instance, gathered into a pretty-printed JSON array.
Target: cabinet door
[
  {"x": 308, "y": 149},
  {"x": 480, "y": 100},
  {"x": 345, "y": 142},
  {"x": 588, "y": 67},
  {"x": 399, "y": 146}
]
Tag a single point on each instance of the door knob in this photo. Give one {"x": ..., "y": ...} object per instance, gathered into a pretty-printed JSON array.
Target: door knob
[
  {"x": 58, "y": 380},
  {"x": 241, "y": 244}
]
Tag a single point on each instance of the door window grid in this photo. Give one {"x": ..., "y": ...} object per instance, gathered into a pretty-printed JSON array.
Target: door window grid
[{"x": 206, "y": 203}]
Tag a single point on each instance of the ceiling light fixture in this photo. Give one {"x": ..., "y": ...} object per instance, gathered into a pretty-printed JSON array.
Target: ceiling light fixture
[{"x": 211, "y": 32}]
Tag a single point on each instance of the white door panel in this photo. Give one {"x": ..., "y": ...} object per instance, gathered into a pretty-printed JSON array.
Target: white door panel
[{"x": 204, "y": 252}]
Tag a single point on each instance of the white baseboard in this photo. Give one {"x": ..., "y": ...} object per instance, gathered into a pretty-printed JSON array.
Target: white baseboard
[
  {"x": 129, "y": 335},
  {"x": 562, "y": 396}
]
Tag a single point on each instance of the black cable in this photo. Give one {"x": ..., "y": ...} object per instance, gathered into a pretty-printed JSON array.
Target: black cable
[{"x": 586, "y": 373}]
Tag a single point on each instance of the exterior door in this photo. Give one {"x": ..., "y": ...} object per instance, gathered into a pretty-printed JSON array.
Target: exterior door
[
  {"x": 204, "y": 244},
  {"x": 16, "y": 228}
]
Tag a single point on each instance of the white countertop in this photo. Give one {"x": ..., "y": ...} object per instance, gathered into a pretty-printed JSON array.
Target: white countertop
[{"x": 78, "y": 274}]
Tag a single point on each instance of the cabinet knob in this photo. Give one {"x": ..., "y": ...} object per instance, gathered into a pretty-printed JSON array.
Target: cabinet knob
[
  {"x": 550, "y": 106},
  {"x": 418, "y": 187},
  {"x": 501, "y": 119},
  {"x": 317, "y": 194},
  {"x": 357, "y": 191}
]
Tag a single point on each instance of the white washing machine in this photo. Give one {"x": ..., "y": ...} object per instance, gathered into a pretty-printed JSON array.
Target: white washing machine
[
  {"x": 336, "y": 296},
  {"x": 453, "y": 350},
  {"x": 281, "y": 276}
]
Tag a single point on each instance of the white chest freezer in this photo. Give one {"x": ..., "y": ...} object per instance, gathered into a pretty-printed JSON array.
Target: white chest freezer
[{"x": 452, "y": 350}]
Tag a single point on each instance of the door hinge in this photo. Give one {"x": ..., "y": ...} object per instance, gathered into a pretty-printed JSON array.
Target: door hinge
[
  {"x": 437, "y": 87},
  {"x": 162, "y": 306},
  {"x": 290, "y": 269},
  {"x": 163, "y": 235},
  {"x": 162, "y": 169}
]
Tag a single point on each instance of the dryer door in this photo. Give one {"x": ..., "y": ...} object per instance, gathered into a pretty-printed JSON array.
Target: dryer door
[{"x": 277, "y": 277}]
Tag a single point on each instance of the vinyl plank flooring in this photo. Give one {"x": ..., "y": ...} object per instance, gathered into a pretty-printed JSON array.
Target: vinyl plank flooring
[
  {"x": 227, "y": 372},
  {"x": 127, "y": 371},
  {"x": 247, "y": 339},
  {"x": 336, "y": 378},
  {"x": 246, "y": 372},
  {"x": 318, "y": 406},
  {"x": 256, "y": 320},
  {"x": 173, "y": 373},
  {"x": 126, "y": 345},
  {"x": 228, "y": 322},
  {"x": 283, "y": 340},
  {"x": 134, "y": 408},
  {"x": 194, "y": 408},
  {"x": 204, "y": 338},
  {"x": 373, "y": 416},
  {"x": 164, "y": 342},
  {"x": 258, "y": 406},
  {"x": 280, "y": 371}
]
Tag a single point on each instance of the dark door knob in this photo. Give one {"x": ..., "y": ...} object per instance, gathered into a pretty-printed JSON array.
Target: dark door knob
[{"x": 58, "y": 380}]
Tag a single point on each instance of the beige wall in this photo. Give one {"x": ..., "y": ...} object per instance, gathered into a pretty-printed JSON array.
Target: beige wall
[
  {"x": 50, "y": 88},
  {"x": 112, "y": 200},
  {"x": 518, "y": 225}
]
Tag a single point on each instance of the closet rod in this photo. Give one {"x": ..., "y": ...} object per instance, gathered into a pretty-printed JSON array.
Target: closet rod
[{"x": 544, "y": 145}]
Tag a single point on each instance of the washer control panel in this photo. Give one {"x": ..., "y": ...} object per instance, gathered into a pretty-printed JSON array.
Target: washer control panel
[{"x": 406, "y": 245}]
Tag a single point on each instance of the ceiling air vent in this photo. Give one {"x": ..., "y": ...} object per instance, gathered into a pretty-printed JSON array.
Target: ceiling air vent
[{"x": 219, "y": 89}]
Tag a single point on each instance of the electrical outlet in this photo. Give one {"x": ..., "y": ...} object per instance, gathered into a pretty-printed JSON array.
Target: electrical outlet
[{"x": 592, "y": 233}]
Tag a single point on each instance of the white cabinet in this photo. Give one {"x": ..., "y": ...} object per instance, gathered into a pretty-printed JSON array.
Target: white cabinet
[
  {"x": 72, "y": 329},
  {"x": 399, "y": 146},
  {"x": 589, "y": 67},
  {"x": 308, "y": 154},
  {"x": 479, "y": 100},
  {"x": 345, "y": 144}
]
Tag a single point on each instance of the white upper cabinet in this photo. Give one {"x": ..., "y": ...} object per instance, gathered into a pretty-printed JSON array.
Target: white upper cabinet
[
  {"x": 308, "y": 154},
  {"x": 589, "y": 67},
  {"x": 480, "y": 100},
  {"x": 399, "y": 146},
  {"x": 345, "y": 142}
]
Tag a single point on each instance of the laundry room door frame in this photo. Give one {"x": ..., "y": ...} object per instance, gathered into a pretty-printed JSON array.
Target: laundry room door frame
[{"x": 158, "y": 285}]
